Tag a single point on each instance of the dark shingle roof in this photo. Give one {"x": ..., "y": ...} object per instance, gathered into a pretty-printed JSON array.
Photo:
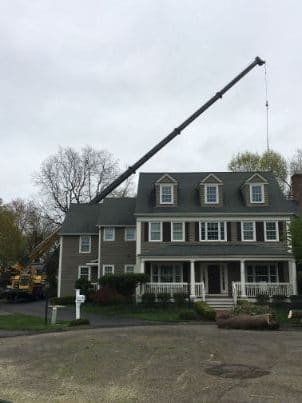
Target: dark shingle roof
[
  {"x": 214, "y": 250},
  {"x": 188, "y": 194},
  {"x": 84, "y": 218}
]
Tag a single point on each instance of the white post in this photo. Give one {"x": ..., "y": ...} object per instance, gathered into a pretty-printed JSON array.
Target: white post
[
  {"x": 242, "y": 278},
  {"x": 203, "y": 292},
  {"x": 293, "y": 275},
  {"x": 54, "y": 315},
  {"x": 78, "y": 301},
  {"x": 192, "y": 279}
]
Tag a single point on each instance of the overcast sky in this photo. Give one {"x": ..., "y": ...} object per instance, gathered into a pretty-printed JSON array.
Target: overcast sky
[{"x": 121, "y": 74}]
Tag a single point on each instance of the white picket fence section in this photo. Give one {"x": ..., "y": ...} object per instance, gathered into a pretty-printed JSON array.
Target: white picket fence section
[{"x": 270, "y": 289}]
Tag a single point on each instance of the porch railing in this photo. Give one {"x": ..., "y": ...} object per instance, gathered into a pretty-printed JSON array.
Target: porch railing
[
  {"x": 169, "y": 288},
  {"x": 173, "y": 288},
  {"x": 270, "y": 289}
]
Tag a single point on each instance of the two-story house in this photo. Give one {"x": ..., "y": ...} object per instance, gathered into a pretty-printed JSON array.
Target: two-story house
[{"x": 213, "y": 235}]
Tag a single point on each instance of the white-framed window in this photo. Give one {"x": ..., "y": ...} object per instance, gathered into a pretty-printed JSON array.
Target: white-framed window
[
  {"x": 155, "y": 231},
  {"x": 84, "y": 272},
  {"x": 166, "y": 194},
  {"x": 213, "y": 231},
  {"x": 130, "y": 234},
  {"x": 211, "y": 194},
  {"x": 248, "y": 230},
  {"x": 271, "y": 232},
  {"x": 262, "y": 273},
  {"x": 166, "y": 273},
  {"x": 108, "y": 269},
  {"x": 109, "y": 234},
  {"x": 129, "y": 268},
  {"x": 85, "y": 244},
  {"x": 256, "y": 193},
  {"x": 178, "y": 231}
]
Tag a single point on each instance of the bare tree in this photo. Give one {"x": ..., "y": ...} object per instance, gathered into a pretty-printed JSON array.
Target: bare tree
[
  {"x": 295, "y": 164},
  {"x": 70, "y": 176}
]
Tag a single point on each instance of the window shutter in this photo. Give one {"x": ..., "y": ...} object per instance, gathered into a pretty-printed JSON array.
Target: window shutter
[
  {"x": 167, "y": 232},
  {"x": 146, "y": 231},
  {"x": 229, "y": 231},
  {"x": 281, "y": 228},
  {"x": 281, "y": 272},
  {"x": 196, "y": 231},
  {"x": 187, "y": 229},
  {"x": 239, "y": 231},
  {"x": 148, "y": 268},
  {"x": 260, "y": 231}
]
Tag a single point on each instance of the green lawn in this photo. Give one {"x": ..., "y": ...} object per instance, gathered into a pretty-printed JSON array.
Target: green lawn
[
  {"x": 18, "y": 321},
  {"x": 167, "y": 314},
  {"x": 282, "y": 317}
]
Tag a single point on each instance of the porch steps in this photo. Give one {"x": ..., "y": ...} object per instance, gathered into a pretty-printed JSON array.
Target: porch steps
[{"x": 220, "y": 303}]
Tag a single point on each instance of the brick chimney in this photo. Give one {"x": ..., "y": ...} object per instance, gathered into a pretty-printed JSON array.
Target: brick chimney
[{"x": 296, "y": 190}]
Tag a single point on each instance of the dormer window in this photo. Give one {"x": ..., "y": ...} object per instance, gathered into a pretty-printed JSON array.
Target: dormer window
[
  {"x": 256, "y": 193},
  {"x": 166, "y": 194},
  {"x": 211, "y": 194}
]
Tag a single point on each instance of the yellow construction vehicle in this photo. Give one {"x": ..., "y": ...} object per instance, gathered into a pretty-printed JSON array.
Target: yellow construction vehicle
[{"x": 28, "y": 281}]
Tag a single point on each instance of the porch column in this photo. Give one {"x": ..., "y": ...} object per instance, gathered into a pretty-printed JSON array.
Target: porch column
[
  {"x": 242, "y": 278},
  {"x": 192, "y": 279},
  {"x": 293, "y": 275}
]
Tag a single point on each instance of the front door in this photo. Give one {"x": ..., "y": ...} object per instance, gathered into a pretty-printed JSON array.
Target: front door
[{"x": 214, "y": 279}]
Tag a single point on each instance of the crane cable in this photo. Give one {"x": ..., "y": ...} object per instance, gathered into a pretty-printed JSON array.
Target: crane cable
[{"x": 267, "y": 109}]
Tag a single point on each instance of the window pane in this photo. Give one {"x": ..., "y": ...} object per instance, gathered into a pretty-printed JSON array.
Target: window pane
[
  {"x": 248, "y": 231},
  {"x": 84, "y": 272},
  {"x": 109, "y": 234},
  {"x": 130, "y": 234},
  {"x": 271, "y": 231},
  {"x": 166, "y": 194},
  {"x": 155, "y": 232},
  {"x": 85, "y": 243},
  {"x": 129, "y": 269},
  {"x": 211, "y": 192},
  {"x": 261, "y": 273},
  {"x": 203, "y": 230},
  {"x": 166, "y": 274},
  {"x": 177, "y": 231},
  {"x": 108, "y": 269},
  {"x": 212, "y": 231},
  {"x": 222, "y": 232},
  {"x": 257, "y": 193}
]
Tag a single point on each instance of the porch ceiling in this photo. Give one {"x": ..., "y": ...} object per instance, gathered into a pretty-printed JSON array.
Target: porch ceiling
[{"x": 206, "y": 249}]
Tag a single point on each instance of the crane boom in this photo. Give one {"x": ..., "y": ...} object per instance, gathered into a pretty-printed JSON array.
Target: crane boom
[{"x": 132, "y": 169}]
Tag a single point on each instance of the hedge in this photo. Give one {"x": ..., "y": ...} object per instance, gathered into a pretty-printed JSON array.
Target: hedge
[{"x": 125, "y": 284}]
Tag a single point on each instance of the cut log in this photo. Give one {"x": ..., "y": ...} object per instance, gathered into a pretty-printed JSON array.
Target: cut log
[
  {"x": 248, "y": 322},
  {"x": 295, "y": 313}
]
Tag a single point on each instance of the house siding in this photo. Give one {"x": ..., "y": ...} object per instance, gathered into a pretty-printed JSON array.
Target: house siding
[
  {"x": 118, "y": 252},
  {"x": 72, "y": 259}
]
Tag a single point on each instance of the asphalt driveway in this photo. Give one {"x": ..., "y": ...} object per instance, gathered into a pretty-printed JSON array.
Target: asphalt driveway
[{"x": 172, "y": 363}]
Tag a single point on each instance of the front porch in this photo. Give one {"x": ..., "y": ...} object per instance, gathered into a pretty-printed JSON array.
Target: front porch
[{"x": 231, "y": 279}]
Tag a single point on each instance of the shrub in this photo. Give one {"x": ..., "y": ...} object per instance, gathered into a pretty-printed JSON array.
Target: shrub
[
  {"x": 248, "y": 308},
  {"x": 179, "y": 299},
  {"x": 148, "y": 299},
  {"x": 109, "y": 296},
  {"x": 262, "y": 299},
  {"x": 163, "y": 298},
  {"x": 204, "y": 310},
  {"x": 63, "y": 300},
  {"x": 278, "y": 299},
  {"x": 187, "y": 315},
  {"x": 85, "y": 286},
  {"x": 79, "y": 322},
  {"x": 296, "y": 301},
  {"x": 125, "y": 283}
]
